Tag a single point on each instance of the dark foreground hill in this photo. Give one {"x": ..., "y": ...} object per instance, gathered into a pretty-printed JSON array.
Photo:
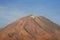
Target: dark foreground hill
[{"x": 31, "y": 28}]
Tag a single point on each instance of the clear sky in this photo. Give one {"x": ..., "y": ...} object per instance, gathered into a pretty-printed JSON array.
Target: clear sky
[{"x": 11, "y": 10}]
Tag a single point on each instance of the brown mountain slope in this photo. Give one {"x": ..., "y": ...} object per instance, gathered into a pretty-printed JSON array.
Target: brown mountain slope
[{"x": 31, "y": 28}]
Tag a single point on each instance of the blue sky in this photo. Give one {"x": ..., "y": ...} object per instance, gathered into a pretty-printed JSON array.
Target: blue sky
[{"x": 11, "y": 10}]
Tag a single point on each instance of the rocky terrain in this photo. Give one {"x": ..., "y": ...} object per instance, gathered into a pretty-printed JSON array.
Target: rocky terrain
[{"x": 31, "y": 28}]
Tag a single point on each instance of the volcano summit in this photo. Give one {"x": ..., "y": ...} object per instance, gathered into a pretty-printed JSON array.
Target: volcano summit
[{"x": 31, "y": 28}]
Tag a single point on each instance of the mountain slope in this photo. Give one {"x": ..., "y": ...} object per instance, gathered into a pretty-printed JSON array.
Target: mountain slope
[{"x": 31, "y": 28}]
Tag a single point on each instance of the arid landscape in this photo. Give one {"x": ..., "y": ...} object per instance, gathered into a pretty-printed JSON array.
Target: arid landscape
[{"x": 31, "y": 28}]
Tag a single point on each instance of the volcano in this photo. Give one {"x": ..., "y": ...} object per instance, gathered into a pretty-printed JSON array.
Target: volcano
[{"x": 31, "y": 28}]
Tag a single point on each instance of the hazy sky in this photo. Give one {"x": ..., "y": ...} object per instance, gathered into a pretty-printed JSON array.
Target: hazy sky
[{"x": 11, "y": 10}]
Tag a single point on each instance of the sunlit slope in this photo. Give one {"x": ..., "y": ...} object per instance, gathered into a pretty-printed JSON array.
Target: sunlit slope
[{"x": 31, "y": 28}]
